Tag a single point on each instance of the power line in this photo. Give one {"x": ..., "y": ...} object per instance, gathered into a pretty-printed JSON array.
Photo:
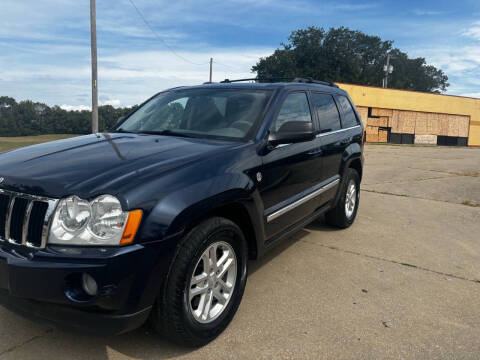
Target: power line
[
  {"x": 160, "y": 38},
  {"x": 228, "y": 66}
]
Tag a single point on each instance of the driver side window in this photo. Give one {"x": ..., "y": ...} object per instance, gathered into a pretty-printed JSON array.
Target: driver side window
[{"x": 294, "y": 108}]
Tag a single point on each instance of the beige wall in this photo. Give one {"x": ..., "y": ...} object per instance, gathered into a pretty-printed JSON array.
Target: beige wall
[{"x": 370, "y": 96}]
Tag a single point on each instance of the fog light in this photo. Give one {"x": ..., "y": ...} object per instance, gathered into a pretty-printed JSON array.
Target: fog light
[{"x": 89, "y": 284}]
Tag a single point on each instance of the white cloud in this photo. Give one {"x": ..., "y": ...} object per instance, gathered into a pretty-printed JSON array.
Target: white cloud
[
  {"x": 113, "y": 102},
  {"x": 460, "y": 60},
  {"x": 471, "y": 94},
  {"x": 454, "y": 60},
  {"x": 75, "y": 107},
  {"x": 125, "y": 78},
  {"x": 473, "y": 31}
]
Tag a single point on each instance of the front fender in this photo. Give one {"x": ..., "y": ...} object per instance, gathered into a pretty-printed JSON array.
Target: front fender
[{"x": 175, "y": 211}]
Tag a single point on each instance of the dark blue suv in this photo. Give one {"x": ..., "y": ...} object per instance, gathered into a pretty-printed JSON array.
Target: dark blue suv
[{"x": 157, "y": 218}]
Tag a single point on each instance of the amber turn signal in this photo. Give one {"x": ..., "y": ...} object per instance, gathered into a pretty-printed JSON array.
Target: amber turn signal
[{"x": 133, "y": 222}]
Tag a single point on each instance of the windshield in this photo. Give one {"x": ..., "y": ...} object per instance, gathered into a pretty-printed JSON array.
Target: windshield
[{"x": 218, "y": 113}]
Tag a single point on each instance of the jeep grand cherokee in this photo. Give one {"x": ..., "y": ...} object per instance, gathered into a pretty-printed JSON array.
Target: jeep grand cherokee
[{"x": 157, "y": 218}]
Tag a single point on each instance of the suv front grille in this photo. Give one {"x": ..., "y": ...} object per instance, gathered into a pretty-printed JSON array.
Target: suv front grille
[{"x": 25, "y": 219}]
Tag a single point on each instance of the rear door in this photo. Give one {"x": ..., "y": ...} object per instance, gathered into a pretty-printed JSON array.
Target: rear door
[
  {"x": 332, "y": 140},
  {"x": 290, "y": 172}
]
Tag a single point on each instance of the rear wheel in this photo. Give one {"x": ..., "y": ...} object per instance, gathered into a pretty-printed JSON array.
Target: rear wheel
[
  {"x": 344, "y": 213},
  {"x": 205, "y": 285}
]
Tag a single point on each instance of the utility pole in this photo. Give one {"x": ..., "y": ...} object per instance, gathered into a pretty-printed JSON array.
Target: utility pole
[
  {"x": 388, "y": 70},
  {"x": 93, "y": 34},
  {"x": 211, "y": 69}
]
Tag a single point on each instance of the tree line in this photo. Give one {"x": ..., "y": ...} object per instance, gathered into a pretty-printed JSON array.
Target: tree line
[
  {"x": 338, "y": 55},
  {"x": 26, "y": 118}
]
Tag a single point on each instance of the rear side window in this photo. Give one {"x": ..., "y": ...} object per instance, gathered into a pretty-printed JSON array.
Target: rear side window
[
  {"x": 294, "y": 108},
  {"x": 327, "y": 112},
  {"x": 349, "y": 118}
]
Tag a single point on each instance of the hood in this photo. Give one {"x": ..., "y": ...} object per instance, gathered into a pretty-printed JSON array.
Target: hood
[{"x": 84, "y": 164}]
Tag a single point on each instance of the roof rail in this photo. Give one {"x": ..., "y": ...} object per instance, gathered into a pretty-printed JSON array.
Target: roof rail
[
  {"x": 307, "y": 80},
  {"x": 310, "y": 80},
  {"x": 227, "y": 81}
]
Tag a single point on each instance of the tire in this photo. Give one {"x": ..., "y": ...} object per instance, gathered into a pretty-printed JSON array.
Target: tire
[
  {"x": 339, "y": 216},
  {"x": 178, "y": 314}
]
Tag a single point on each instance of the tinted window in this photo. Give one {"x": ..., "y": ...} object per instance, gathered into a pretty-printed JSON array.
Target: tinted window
[
  {"x": 349, "y": 118},
  {"x": 225, "y": 113},
  {"x": 294, "y": 108},
  {"x": 327, "y": 112}
]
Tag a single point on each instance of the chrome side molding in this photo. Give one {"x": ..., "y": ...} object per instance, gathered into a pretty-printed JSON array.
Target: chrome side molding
[{"x": 301, "y": 201}]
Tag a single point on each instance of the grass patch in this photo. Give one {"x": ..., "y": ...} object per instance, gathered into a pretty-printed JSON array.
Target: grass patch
[
  {"x": 471, "y": 203},
  {"x": 474, "y": 173},
  {"x": 9, "y": 143}
]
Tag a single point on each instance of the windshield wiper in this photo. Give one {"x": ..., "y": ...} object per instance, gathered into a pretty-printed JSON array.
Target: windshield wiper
[
  {"x": 166, "y": 132},
  {"x": 124, "y": 131}
]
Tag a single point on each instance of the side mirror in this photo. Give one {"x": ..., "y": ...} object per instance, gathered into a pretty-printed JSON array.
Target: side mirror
[{"x": 292, "y": 132}]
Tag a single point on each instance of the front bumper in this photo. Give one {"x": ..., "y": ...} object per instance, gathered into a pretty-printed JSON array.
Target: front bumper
[
  {"x": 41, "y": 284},
  {"x": 73, "y": 319}
]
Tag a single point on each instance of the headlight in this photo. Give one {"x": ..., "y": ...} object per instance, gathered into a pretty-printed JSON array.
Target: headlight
[
  {"x": 73, "y": 214},
  {"x": 99, "y": 222},
  {"x": 108, "y": 219}
]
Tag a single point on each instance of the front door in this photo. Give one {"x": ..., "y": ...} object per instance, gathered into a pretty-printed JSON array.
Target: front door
[{"x": 290, "y": 172}]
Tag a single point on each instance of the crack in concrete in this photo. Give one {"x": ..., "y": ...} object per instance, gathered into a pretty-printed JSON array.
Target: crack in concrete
[
  {"x": 470, "y": 174},
  {"x": 458, "y": 277},
  {"x": 414, "y": 197},
  {"x": 409, "y": 181},
  {"x": 15, "y": 347}
]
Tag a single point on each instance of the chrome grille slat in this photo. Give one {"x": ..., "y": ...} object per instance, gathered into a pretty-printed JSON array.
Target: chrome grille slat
[
  {"x": 8, "y": 218},
  {"x": 47, "y": 222},
  {"x": 31, "y": 233},
  {"x": 4, "y": 201},
  {"x": 26, "y": 221}
]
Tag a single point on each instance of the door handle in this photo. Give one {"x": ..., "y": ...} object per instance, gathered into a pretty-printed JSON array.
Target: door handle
[{"x": 315, "y": 152}]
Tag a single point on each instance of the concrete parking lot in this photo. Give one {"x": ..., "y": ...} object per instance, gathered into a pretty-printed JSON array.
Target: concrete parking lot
[{"x": 402, "y": 283}]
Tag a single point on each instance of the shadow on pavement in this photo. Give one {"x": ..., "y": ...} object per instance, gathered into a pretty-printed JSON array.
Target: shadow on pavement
[{"x": 142, "y": 343}]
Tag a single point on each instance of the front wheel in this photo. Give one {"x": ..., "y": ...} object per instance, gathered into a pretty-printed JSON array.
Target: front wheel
[
  {"x": 205, "y": 285},
  {"x": 344, "y": 213}
]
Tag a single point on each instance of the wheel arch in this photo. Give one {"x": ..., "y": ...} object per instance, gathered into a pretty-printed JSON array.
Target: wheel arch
[
  {"x": 238, "y": 214},
  {"x": 356, "y": 164},
  {"x": 237, "y": 205},
  {"x": 352, "y": 158}
]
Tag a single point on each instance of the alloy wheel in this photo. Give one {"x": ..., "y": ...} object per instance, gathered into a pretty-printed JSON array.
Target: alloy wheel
[
  {"x": 213, "y": 282},
  {"x": 350, "y": 198}
]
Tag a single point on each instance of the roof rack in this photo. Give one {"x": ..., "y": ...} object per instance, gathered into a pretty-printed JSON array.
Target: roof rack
[
  {"x": 307, "y": 80},
  {"x": 313, "y": 81}
]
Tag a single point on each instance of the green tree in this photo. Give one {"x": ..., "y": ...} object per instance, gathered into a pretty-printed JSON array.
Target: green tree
[
  {"x": 31, "y": 118},
  {"x": 351, "y": 56}
]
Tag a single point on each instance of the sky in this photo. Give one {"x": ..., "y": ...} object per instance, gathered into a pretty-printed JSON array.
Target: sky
[{"x": 45, "y": 44}]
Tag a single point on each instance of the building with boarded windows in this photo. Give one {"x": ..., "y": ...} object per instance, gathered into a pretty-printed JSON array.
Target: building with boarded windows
[{"x": 408, "y": 117}]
